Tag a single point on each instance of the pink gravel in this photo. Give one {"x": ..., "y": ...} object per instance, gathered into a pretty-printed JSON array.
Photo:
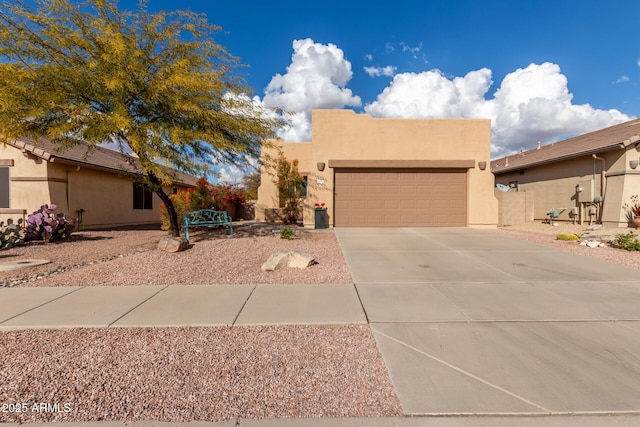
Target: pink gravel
[
  {"x": 193, "y": 374},
  {"x": 132, "y": 258}
]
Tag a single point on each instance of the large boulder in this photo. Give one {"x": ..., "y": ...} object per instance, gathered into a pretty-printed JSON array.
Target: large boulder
[
  {"x": 300, "y": 260},
  {"x": 288, "y": 259},
  {"x": 276, "y": 261},
  {"x": 173, "y": 244}
]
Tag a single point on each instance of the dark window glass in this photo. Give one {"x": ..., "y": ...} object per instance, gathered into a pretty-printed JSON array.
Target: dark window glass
[
  {"x": 4, "y": 188},
  {"x": 142, "y": 197}
]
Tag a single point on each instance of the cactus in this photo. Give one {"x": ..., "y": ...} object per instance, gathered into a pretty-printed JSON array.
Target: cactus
[
  {"x": 11, "y": 235},
  {"x": 45, "y": 224}
]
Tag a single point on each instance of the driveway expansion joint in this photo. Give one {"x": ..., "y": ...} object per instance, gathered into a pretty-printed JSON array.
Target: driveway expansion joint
[{"x": 463, "y": 372}]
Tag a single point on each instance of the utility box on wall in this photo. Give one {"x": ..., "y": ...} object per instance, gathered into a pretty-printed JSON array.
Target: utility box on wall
[{"x": 585, "y": 191}]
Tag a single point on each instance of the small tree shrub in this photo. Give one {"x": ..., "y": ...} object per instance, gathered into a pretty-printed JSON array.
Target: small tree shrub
[
  {"x": 11, "y": 234},
  {"x": 287, "y": 233},
  {"x": 628, "y": 241},
  {"x": 45, "y": 224},
  {"x": 290, "y": 186}
]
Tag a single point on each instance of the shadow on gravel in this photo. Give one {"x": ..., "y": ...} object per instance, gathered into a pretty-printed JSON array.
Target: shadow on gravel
[{"x": 241, "y": 230}]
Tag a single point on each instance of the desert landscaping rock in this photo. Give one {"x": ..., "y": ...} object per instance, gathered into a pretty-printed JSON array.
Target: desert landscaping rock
[
  {"x": 288, "y": 259},
  {"x": 300, "y": 260},
  {"x": 173, "y": 244},
  {"x": 276, "y": 262}
]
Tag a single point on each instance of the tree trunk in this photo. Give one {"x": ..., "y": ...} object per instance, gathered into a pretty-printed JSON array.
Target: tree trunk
[{"x": 168, "y": 203}]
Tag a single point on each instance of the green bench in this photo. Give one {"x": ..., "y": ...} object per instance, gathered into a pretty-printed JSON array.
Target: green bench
[{"x": 206, "y": 218}]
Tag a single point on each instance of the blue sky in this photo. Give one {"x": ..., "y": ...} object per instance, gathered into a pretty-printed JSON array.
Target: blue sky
[{"x": 541, "y": 70}]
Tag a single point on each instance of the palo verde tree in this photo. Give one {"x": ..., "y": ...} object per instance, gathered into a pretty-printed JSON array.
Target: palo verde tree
[{"x": 156, "y": 84}]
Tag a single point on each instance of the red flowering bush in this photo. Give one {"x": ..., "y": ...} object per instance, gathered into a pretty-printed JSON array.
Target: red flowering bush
[
  {"x": 226, "y": 195},
  {"x": 319, "y": 207},
  {"x": 203, "y": 196}
]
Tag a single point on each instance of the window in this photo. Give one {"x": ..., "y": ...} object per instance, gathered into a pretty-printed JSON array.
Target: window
[
  {"x": 4, "y": 187},
  {"x": 305, "y": 184},
  {"x": 142, "y": 197}
]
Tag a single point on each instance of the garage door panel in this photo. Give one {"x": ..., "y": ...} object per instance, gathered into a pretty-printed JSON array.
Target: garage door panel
[{"x": 400, "y": 197}]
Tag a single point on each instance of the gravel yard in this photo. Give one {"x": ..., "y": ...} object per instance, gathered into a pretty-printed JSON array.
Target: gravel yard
[
  {"x": 120, "y": 258},
  {"x": 193, "y": 374}
]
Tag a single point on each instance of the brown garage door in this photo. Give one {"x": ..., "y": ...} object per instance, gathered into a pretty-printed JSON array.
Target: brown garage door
[{"x": 400, "y": 197}]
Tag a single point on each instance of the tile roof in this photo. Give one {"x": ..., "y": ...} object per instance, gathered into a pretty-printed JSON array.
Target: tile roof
[
  {"x": 95, "y": 157},
  {"x": 620, "y": 135}
]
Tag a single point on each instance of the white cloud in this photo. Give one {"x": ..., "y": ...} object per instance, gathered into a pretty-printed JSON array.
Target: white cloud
[
  {"x": 532, "y": 104},
  {"x": 622, "y": 79},
  {"x": 638, "y": 62},
  {"x": 368, "y": 57},
  {"x": 232, "y": 175},
  {"x": 316, "y": 78},
  {"x": 413, "y": 50},
  {"x": 388, "y": 71}
]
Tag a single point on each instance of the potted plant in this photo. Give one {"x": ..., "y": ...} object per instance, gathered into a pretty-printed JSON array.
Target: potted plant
[
  {"x": 633, "y": 210},
  {"x": 321, "y": 218}
]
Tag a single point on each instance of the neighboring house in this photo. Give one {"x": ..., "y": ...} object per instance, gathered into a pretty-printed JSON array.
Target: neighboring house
[
  {"x": 374, "y": 172},
  {"x": 589, "y": 178},
  {"x": 81, "y": 182}
]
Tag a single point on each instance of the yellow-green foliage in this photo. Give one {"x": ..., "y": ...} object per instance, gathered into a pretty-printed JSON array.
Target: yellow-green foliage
[
  {"x": 155, "y": 83},
  {"x": 566, "y": 236}
]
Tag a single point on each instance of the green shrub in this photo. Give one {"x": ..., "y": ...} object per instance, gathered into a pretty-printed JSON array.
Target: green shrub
[
  {"x": 287, "y": 233},
  {"x": 567, "y": 236},
  {"x": 628, "y": 241}
]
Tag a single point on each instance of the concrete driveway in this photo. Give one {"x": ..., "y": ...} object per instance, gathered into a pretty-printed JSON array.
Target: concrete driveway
[{"x": 472, "y": 322}]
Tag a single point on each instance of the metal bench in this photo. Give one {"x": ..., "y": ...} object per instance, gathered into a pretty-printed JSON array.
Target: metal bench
[{"x": 206, "y": 218}]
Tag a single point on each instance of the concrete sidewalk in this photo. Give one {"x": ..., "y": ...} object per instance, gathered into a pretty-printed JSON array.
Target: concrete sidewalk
[{"x": 148, "y": 306}]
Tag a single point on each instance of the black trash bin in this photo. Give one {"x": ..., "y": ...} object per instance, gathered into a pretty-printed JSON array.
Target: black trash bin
[{"x": 321, "y": 219}]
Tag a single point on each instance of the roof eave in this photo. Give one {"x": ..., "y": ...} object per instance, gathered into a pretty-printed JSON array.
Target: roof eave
[{"x": 619, "y": 145}]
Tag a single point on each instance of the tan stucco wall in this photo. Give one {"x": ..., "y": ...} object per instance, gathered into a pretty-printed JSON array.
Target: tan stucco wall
[
  {"x": 106, "y": 197},
  {"x": 22, "y": 193},
  {"x": 554, "y": 185},
  {"x": 345, "y": 135}
]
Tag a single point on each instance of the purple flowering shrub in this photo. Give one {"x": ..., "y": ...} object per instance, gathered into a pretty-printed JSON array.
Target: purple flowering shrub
[{"x": 45, "y": 224}]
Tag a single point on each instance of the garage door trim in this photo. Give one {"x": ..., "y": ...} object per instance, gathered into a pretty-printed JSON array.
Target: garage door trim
[{"x": 400, "y": 164}]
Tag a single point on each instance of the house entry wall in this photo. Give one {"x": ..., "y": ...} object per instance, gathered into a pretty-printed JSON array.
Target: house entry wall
[{"x": 372, "y": 197}]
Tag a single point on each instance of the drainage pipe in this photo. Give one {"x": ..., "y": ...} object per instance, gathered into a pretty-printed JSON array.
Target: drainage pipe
[
  {"x": 602, "y": 182},
  {"x": 602, "y": 186}
]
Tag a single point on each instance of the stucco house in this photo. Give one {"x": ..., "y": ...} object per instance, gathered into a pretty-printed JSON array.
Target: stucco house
[
  {"x": 587, "y": 178},
  {"x": 82, "y": 183},
  {"x": 377, "y": 172}
]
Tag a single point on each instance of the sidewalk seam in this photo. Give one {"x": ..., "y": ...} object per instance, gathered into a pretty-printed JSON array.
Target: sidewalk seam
[
  {"x": 243, "y": 305},
  {"x": 43, "y": 304},
  {"x": 364, "y": 310},
  {"x": 138, "y": 305}
]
